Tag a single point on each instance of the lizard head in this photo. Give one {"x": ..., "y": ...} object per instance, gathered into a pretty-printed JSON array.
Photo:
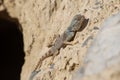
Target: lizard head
[{"x": 76, "y": 23}]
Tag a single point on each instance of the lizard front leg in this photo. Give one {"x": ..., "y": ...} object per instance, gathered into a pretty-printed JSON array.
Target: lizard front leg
[
  {"x": 70, "y": 43},
  {"x": 70, "y": 36}
]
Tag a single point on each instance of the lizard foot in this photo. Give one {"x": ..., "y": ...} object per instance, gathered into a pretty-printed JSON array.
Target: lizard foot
[{"x": 71, "y": 43}]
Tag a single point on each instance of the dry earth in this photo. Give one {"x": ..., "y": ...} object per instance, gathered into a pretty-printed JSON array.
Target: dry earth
[{"x": 42, "y": 20}]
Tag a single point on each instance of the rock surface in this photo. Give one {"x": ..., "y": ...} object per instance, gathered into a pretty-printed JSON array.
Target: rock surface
[
  {"x": 103, "y": 57},
  {"x": 43, "y": 20}
]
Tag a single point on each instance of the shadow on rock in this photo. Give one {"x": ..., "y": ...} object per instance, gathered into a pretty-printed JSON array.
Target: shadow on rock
[{"x": 11, "y": 47}]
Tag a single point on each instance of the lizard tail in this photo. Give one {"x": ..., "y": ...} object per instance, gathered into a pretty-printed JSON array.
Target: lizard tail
[{"x": 49, "y": 53}]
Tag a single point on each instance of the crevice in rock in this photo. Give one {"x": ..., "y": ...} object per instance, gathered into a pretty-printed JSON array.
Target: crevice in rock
[{"x": 31, "y": 46}]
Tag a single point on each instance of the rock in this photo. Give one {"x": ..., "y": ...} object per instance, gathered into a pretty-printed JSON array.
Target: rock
[
  {"x": 102, "y": 60},
  {"x": 41, "y": 20}
]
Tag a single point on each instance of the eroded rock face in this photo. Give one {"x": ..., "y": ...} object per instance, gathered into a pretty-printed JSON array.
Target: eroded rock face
[
  {"x": 102, "y": 60},
  {"x": 43, "y": 20}
]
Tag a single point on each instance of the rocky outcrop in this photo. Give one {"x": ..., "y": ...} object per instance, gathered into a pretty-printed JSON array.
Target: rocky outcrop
[
  {"x": 43, "y": 20},
  {"x": 102, "y": 60}
]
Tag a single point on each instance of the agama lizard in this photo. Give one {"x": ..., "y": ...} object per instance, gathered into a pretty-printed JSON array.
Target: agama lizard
[{"x": 77, "y": 24}]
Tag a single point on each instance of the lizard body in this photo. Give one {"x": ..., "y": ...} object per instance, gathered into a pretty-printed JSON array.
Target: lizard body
[{"x": 64, "y": 39}]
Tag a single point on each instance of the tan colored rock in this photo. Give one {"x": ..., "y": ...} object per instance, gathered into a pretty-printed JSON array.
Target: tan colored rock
[{"x": 42, "y": 20}]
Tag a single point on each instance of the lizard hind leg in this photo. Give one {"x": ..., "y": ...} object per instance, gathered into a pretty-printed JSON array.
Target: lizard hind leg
[
  {"x": 52, "y": 59},
  {"x": 52, "y": 41}
]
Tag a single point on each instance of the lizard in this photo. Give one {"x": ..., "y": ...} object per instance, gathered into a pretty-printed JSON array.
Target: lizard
[{"x": 78, "y": 23}]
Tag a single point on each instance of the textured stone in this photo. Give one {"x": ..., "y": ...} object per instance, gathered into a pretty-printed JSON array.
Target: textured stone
[
  {"x": 43, "y": 20},
  {"x": 102, "y": 60}
]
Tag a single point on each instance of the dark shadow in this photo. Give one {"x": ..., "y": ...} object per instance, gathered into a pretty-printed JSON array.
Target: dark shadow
[{"x": 11, "y": 47}]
